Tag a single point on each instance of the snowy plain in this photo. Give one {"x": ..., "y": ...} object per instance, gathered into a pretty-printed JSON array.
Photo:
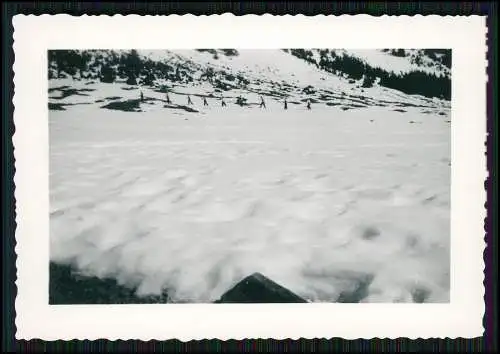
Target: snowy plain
[{"x": 323, "y": 201}]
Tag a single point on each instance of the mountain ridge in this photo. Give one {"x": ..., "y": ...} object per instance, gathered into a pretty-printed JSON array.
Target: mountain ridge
[{"x": 226, "y": 70}]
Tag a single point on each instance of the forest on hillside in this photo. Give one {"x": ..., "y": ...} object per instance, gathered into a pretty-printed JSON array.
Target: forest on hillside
[{"x": 418, "y": 82}]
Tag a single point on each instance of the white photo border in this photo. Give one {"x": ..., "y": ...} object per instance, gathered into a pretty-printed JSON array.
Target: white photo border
[{"x": 461, "y": 318}]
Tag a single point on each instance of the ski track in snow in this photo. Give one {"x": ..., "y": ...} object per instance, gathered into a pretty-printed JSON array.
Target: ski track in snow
[{"x": 319, "y": 201}]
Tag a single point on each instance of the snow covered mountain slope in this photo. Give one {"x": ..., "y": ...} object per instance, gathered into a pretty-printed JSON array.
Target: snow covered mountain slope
[
  {"x": 275, "y": 74},
  {"x": 347, "y": 201}
]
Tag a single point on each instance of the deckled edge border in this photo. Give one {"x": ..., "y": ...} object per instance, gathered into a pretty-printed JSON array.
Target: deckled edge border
[{"x": 487, "y": 183}]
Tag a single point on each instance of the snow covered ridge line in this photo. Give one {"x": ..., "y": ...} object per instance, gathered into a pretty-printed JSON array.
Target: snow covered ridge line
[
  {"x": 418, "y": 72},
  {"x": 433, "y": 61}
]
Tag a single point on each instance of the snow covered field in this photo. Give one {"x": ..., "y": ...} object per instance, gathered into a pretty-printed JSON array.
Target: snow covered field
[{"x": 328, "y": 202}]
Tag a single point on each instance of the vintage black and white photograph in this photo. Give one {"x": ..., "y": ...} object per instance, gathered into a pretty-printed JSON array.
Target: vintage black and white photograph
[
  {"x": 236, "y": 176},
  {"x": 249, "y": 177}
]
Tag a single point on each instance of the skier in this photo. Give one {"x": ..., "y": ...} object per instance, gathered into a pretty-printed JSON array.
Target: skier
[
  {"x": 239, "y": 100},
  {"x": 168, "y": 99},
  {"x": 286, "y": 104},
  {"x": 142, "y": 97},
  {"x": 309, "y": 104},
  {"x": 223, "y": 103},
  {"x": 262, "y": 103},
  {"x": 189, "y": 100}
]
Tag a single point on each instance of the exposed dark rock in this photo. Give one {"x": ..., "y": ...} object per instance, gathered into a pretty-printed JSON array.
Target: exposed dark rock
[
  {"x": 359, "y": 290},
  {"x": 60, "y": 106},
  {"x": 126, "y": 106},
  {"x": 56, "y": 107},
  {"x": 309, "y": 90},
  {"x": 419, "y": 295},
  {"x": 67, "y": 287},
  {"x": 313, "y": 100},
  {"x": 60, "y": 88},
  {"x": 230, "y": 52},
  {"x": 370, "y": 233},
  {"x": 66, "y": 92},
  {"x": 358, "y": 106},
  {"x": 257, "y": 288},
  {"x": 185, "y": 108}
]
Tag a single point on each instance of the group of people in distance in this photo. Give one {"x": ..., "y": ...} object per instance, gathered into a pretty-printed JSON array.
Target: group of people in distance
[{"x": 239, "y": 101}]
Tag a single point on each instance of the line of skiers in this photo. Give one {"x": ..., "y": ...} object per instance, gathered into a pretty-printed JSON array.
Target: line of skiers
[{"x": 239, "y": 101}]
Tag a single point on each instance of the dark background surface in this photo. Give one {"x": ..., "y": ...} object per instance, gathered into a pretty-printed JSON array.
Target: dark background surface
[{"x": 487, "y": 343}]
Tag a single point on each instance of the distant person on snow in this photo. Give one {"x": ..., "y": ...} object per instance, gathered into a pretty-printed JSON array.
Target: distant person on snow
[
  {"x": 223, "y": 103},
  {"x": 286, "y": 104},
  {"x": 309, "y": 104},
  {"x": 262, "y": 103},
  {"x": 189, "y": 100},
  {"x": 142, "y": 97},
  {"x": 205, "y": 103},
  {"x": 168, "y": 99}
]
